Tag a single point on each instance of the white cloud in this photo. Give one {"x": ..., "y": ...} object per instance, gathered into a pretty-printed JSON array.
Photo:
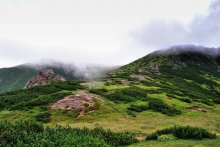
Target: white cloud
[
  {"x": 203, "y": 29},
  {"x": 83, "y": 30}
]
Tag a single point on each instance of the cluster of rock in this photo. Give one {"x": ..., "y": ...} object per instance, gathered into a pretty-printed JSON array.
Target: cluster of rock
[
  {"x": 78, "y": 102},
  {"x": 140, "y": 78},
  {"x": 44, "y": 77},
  {"x": 153, "y": 69},
  {"x": 176, "y": 64}
]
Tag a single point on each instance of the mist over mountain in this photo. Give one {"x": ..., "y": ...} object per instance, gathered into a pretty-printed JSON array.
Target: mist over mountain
[{"x": 16, "y": 77}]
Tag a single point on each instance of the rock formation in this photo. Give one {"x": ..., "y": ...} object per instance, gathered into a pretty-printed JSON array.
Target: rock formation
[
  {"x": 82, "y": 102},
  {"x": 155, "y": 68},
  {"x": 44, "y": 77},
  {"x": 143, "y": 70}
]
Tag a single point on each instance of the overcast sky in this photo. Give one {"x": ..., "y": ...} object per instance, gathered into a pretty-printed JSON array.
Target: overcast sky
[{"x": 106, "y": 32}]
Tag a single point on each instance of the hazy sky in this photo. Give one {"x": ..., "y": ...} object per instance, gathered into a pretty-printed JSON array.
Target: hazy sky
[{"x": 107, "y": 32}]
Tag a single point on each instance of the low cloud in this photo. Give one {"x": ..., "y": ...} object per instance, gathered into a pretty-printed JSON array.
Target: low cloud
[{"x": 202, "y": 30}]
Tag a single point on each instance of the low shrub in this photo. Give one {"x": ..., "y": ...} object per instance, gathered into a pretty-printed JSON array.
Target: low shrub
[
  {"x": 187, "y": 100},
  {"x": 101, "y": 91},
  {"x": 37, "y": 96},
  {"x": 183, "y": 132},
  {"x": 138, "y": 108},
  {"x": 153, "y": 136},
  {"x": 160, "y": 106},
  {"x": 130, "y": 94},
  {"x": 118, "y": 96},
  {"x": 44, "y": 117},
  {"x": 187, "y": 132},
  {"x": 30, "y": 133}
]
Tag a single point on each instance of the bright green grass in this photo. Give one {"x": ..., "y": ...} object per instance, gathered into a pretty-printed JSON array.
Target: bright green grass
[{"x": 115, "y": 87}]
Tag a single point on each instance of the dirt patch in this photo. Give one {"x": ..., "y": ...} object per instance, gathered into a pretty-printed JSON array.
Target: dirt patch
[
  {"x": 140, "y": 136},
  {"x": 138, "y": 77},
  {"x": 199, "y": 108},
  {"x": 82, "y": 102}
]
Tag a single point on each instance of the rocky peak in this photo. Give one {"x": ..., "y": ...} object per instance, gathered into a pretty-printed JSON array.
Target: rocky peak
[{"x": 44, "y": 77}]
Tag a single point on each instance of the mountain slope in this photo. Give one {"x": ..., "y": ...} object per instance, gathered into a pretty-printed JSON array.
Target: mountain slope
[
  {"x": 15, "y": 78},
  {"x": 158, "y": 91},
  {"x": 182, "y": 72}
]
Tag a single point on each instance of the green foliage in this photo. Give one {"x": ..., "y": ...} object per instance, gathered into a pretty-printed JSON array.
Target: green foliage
[
  {"x": 120, "y": 97},
  {"x": 182, "y": 81},
  {"x": 15, "y": 78},
  {"x": 126, "y": 95},
  {"x": 183, "y": 132},
  {"x": 166, "y": 138},
  {"x": 138, "y": 108},
  {"x": 44, "y": 117},
  {"x": 99, "y": 91},
  {"x": 153, "y": 136},
  {"x": 37, "y": 96},
  {"x": 187, "y": 100},
  {"x": 30, "y": 133},
  {"x": 160, "y": 106},
  {"x": 187, "y": 132}
]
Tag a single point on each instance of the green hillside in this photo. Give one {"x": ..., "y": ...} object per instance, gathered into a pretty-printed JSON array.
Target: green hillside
[
  {"x": 163, "y": 99},
  {"x": 15, "y": 78}
]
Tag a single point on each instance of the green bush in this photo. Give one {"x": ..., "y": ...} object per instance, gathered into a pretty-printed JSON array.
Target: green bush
[
  {"x": 120, "y": 97},
  {"x": 37, "y": 96},
  {"x": 153, "y": 136},
  {"x": 44, "y": 117},
  {"x": 130, "y": 94},
  {"x": 98, "y": 91},
  {"x": 183, "y": 132},
  {"x": 138, "y": 108},
  {"x": 30, "y": 133},
  {"x": 187, "y": 132},
  {"x": 160, "y": 106}
]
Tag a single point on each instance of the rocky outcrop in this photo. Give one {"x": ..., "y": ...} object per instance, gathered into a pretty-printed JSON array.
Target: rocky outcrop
[
  {"x": 154, "y": 68},
  {"x": 44, "y": 77},
  {"x": 82, "y": 102},
  {"x": 142, "y": 70},
  {"x": 176, "y": 64},
  {"x": 140, "y": 78}
]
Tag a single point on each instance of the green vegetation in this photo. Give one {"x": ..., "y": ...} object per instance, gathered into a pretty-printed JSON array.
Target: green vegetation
[
  {"x": 160, "y": 106},
  {"x": 183, "y": 132},
  {"x": 15, "y": 78},
  {"x": 30, "y": 133},
  {"x": 126, "y": 95},
  {"x": 184, "y": 75},
  {"x": 185, "y": 94},
  {"x": 156, "y": 105},
  {"x": 37, "y": 96},
  {"x": 138, "y": 108},
  {"x": 44, "y": 117}
]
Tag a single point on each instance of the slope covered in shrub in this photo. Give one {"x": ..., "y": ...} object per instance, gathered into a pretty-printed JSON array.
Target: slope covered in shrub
[
  {"x": 30, "y": 133},
  {"x": 183, "y": 132},
  {"x": 36, "y": 96}
]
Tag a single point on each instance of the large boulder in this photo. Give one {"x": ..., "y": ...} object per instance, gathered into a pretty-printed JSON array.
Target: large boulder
[{"x": 44, "y": 77}]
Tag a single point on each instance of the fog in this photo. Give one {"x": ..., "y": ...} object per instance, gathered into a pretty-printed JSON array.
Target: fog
[
  {"x": 202, "y": 30},
  {"x": 99, "y": 32}
]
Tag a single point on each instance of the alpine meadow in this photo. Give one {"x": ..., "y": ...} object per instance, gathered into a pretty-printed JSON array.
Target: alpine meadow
[{"x": 109, "y": 73}]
